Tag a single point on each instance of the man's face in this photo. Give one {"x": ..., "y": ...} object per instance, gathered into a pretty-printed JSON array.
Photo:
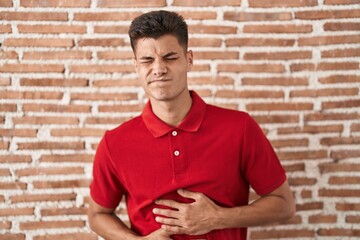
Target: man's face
[{"x": 162, "y": 65}]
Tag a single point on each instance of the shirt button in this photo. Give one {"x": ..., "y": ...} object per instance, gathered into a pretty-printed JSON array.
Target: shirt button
[
  {"x": 174, "y": 133},
  {"x": 176, "y": 153}
]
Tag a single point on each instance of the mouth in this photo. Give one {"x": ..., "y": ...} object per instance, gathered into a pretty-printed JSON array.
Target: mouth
[{"x": 158, "y": 81}]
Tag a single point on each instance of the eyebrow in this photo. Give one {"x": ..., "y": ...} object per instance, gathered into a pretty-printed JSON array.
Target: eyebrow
[{"x": 170, "y": 54}]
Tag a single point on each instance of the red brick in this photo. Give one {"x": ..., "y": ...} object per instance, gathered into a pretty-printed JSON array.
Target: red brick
[
  {"x": 278, "y": 55},
  {"x": 15, "y": 159},
  {"x": 121, "y": 108},
  {"x": 212, "y": 29},
  {"x": 6, "y": 3},
  {"x": 4, "y": 145},
  {"x": 331, "y": 116},
  {"x": 131, "y": 3},
  {"x": 306, "y": 194},
  {"x": 275, "y": 81},
  {"x": 331, "y": 66},
  {"x": 51, "y": 29},
  {"x": 274, "y": 118},
  {"x": 348, "y": 206},
  {"x": 315, "y": 219},
  {"x": 284, "y": 28},
  {"x": 77, "y": 132},
  {"x": 346, "y": 26},
  {"x": 343, "y": 232},
  {"x": 259, "y": 42},
  {"x": 341, "y": 53},
  {"x": 13, "y": 185},
  {"x": 344, "y": 180},
  {"x": 29, "y": 68},
  {"x": 30, "y": 95},
  {"x": 109, "y": 16},
  {"x": 5, "y": 225},
  {"x": 352, "y": 219},
  {"x": 64, "y": 211},
  {"x": 289, "y": 142},
  {"x": 279, "y": 106},
  {"x": 282, "y": 3},
  {"x": 216, "y": 55},
  {"x": 303, "y": 181},
  {"x": 80, "y": 183},
  {"x": 344, "y": 154},
  {"x": 55, "y": 3},
  {"x": 33, "y": 107},
  {"x": 5, "y": 81},
  {"x": 339, "y": 167},
  {"x": 312, "y": 129},
  {"x": 200, "y": 15},
  {"x": 51, "y": 145},
  {"x": 355, "y": 127},
  {"x": 34, "y": 16},
  {"x": 44, "y": 55},
  {"x": 111, "y": 29},
  {"x": 314, "y": 93},
  {"x": 116, "y": 83},
  {"x": 7, "y": 107},
  {"x": 38, "y": 42},
  {"x": 5, "y": 28},
  {"x": 327, "y": 14},
  {"x": 67, "y": 158},
  {"x": 219, "y": 80},
  {"x": 124, "y": 96},
  {"x": 249, "y": 94},
  {"x": 68, "y": 236},
  {"x": 330, "y": 141},
  {"x": 6, "y": 132},
  {"x": 19, "y": 211},
  {"x": 12, "y": 236},
  {"x": 257, "y": 16},
  {"x": 333, "y": 79},
  {"x": 8, "y": 55},
  {"x": 42, "y": 197},
  {"x": 339, "y": 193},
  {"x": 54, "y": 82},
  {"x": 102, "y": 68},
  {"x": 206, "y": 3},
  {"x": 340, "y": 2},
  {"x": 38, "y": 120},
  {"x": 277, "y": 234},
  {"x": 49, "y": 171},
  {"x": 341, "y": 104},
  {"x": 107, "y": 42},
  {"x": 5, "y": 173},
  {"x": 297, "y": 155},
  {"x": 298, "y": 167},
  {"x": 204, "y": 42},
  {"x": 328, "y": 40},
  {"x": 310, "y": 206},
  {"x": 51, "y": 224},
  {"x": 270, "y": 68}
]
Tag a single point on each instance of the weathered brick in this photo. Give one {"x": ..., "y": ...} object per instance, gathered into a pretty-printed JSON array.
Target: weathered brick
[
  {"x": 339, "y": 167},
  {"x": 131, "y": 3},
  {"x": 249, "y": 94},
  {"x": 39, "y": 120},
  {"x": 120, "y": 108},
  {"x": 343, "y": 26},
  {"x": 341, "y": 2},
  {"x": 77, "y": 132},
  {"x": 309, "y": 206},
  {"x": 109, "y": 16},
  {"x": 107, "y": 42},
  {"x": 339, "y": 192},
  {"x": 79, "y": 183},
  {"x": 67, "y": 158},
  {"x": 102, "y": 68},
  {"x": 349, "y": 232},
  {"x": 13, "y": 236},
  {"x": 51, "y": 29},
  {"x": 16, "y": 211},
  {"x": 311, "y": 154},
  {"x": 11, "y": 132},
  {"x": 276, "y": 118},
  {"x": 315, "y": 219},
  {"x": 67, "y": 236},
  {"x": 348, "y": 206},
  {"x": 33, "y": 16},
  {"x": 54, "y": 82},
  {"x": 341, "y": 104},
  {"x": 30, "y": 68},
  {"x": 42, "y": 197},
  {"x": 282, "y": 3},
  {"x": 344, "y": 180},
  {"x": 259, "y": 42},
  {"x": 8, "y": 55},
  {"x": 279, "y": 106},
  {"x": 333, "y": 79},
  {"x": 328, "y": 40},
  {"x": 205, "y": 42},
  {"x": 257, "y": 16},
  {"x": 42, "y": 55},
  {"x": 276, "y": 234},
  {"x": 49, "y": 171},
  {"x": 283, "y": 28},
  {"x": 327, "y": 14},
  {"x": 15, "y": 159},
  {"x": 341, "y": 53},
  {"x": 205, "y": 3},
  {"x": 38, "y": 42},
  {"x": 125, "y": 96},
  {"x": 30, "y": 95},
  {"x": 64, "y": 211},
  {"x": 55, "y": 3},
  {"x": 278, "y": 55},
  {"x": 289, "y": 142},
  {"x": 6, "y": 3},
  {"x": 33, "y": 107},
  {"x": 275, "y": 81},
  {"x": 51, "y": 145},
  {"x": 325, "y": 92},
  {"x": 51, "y": 224},
  {"x": 5, "y": 81},
  {"x": 312, "y": 129},
  {"x": 270, "y": 68},
  {"x": 304, "y": 181},
  {"x": 344, "y": 154}
]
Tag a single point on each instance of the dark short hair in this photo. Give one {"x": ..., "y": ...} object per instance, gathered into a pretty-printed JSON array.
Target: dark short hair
[{"x": 156, "y": 24}]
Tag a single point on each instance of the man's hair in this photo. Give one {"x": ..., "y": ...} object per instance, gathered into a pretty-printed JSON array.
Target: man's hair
[{"x": 156, "y": 24}]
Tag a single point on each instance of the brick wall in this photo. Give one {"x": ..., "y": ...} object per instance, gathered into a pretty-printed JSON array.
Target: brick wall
[{"x": 66, "y": 76}]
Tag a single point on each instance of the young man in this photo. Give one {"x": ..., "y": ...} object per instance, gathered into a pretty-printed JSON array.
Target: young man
[{"x": 184, "y": 166}]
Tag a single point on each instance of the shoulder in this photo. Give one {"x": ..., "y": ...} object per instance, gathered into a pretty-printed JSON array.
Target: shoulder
[{"x": 125, "y": 129}]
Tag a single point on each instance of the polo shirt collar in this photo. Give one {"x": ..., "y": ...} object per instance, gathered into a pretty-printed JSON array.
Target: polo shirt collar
[{"x": 191, "y": 123}]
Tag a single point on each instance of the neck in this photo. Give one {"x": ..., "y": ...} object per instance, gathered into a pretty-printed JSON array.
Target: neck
[{"x": 174, "y": 111}]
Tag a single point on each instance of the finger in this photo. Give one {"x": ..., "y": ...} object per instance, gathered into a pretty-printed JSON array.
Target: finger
[
  {"x": 189, "y": 194},
  {"x": 173, "y": 229},
  {"x": 169, "y": 203},
  {"x": 166, "y": 212},
  {"x": 167, "y": 221}
]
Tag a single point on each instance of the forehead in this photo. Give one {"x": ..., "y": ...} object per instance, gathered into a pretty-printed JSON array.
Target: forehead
[{"x": 159, "y": 46}]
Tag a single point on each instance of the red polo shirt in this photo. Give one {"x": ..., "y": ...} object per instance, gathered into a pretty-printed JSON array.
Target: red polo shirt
[{"x": 215, "y": 151}]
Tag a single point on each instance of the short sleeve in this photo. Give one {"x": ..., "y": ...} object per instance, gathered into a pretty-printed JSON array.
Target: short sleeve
[
  {"x": 105, "y": 188},
  {"x": 261, "y": 166}
]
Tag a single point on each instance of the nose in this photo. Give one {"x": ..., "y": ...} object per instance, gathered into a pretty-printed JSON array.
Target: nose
[{"x": 159, "y": 67}]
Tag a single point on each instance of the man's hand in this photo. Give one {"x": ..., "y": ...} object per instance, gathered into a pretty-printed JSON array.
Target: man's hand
[
  {"x": 159, "y": 234},
  {"x": 199, "y": 217}
]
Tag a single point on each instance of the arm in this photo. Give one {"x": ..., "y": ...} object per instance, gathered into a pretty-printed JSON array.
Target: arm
[
  {"x": 106, "y": 224},
  {"x": 203, "y": 215}
]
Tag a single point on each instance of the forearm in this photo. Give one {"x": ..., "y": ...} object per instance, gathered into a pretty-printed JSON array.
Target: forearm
[{"x": 110, "y": 227}]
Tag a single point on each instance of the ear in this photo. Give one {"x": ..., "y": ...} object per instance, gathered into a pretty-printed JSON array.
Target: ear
[
  {"x": 190, "y": 60},
  {"x": 135, "y": 64}
]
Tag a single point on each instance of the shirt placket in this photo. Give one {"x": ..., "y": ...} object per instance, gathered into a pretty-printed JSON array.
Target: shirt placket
[{"x": 178, "y": 157}]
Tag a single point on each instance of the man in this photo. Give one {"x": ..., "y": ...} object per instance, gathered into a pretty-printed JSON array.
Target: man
[{"x": 184, "y": 167}]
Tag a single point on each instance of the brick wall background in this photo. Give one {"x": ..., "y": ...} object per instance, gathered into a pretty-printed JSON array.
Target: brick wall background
[{"x": 66, "y": 76}]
